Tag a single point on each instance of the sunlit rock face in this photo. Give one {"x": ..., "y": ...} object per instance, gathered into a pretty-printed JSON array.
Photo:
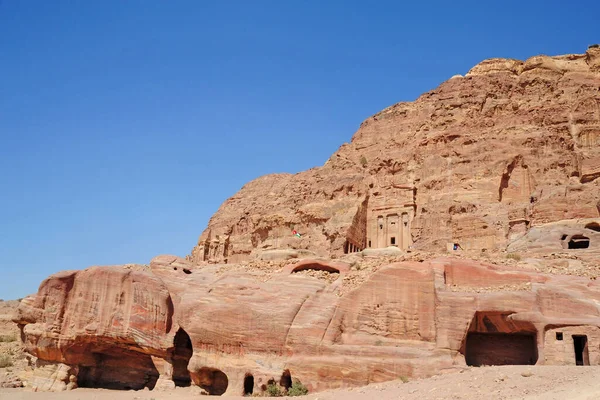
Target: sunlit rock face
[
  {"x": 478, "y": 161},
  {"x": 333, "y": 276},
  {"x": 325, "y": 323}
]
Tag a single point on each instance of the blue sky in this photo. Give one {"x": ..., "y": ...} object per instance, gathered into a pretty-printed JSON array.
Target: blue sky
[{"x": 125, "y": 124}]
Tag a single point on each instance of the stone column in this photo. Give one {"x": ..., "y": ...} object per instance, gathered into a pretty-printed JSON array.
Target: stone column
[
  {"x": 540, "y": 337},
  {"x": 165, "y": 370}
]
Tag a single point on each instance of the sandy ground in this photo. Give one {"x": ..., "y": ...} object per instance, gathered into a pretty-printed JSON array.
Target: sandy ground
[{"x": 497, "y": 383}]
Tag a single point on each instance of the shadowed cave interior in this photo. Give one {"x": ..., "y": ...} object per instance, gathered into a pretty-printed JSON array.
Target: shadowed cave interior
[
  {"x": 116, "y": 368},
  {"x": 181, "y": 357},
  {"x": 494, "y": 338}
]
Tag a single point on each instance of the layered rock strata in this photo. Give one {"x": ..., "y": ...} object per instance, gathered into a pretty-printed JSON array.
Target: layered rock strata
[
  {"x": 477, "y": 162},
  {"x": 503, "y": 162},
  {"x": 176, "y": 324}
]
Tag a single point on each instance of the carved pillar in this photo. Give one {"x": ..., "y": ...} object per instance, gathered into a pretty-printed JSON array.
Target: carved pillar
[
  {"x": 165, "y": 370},
  {"x": 540, "y": 337},
  {"x": 406, "y": 239}
]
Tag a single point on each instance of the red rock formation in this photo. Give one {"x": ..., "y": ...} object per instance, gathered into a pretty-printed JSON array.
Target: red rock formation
[
  {"x": 503, "y": 158},
  {"x": 478, "y": 161},
  {"x": 179, "y": 324}
]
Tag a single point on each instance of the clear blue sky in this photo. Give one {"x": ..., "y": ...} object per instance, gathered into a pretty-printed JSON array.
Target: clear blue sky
[{"x": 125, "y": 124}]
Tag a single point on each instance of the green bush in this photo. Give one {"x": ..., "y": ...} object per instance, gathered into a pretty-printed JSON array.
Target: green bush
[
  {"x": 297, "y": 389},
  {"x": 5, "y": 361},
  {"x": 594, "y": 46},
  {"x": 8, "y": 338},
  {"x": 363, "y": 161},
  {"x": 403, "y": 378},
  {"x": 273, "y": 390},
  {"x": 514, "y": 256}
]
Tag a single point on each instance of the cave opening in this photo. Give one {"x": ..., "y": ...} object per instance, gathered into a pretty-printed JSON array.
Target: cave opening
[
  {"x": 495, "y": 338},
  {"x": 117, "y": 369},
  {"x": 500, "y": 349},
  {"x": 181, "y": 357},
  {"x": 593, "y": 226},
  {"x": 579, "y": 242},
  {"x": 316, "y": 267},
  {"x": 248, "y": 385},
  {"x": 213, "y": 380},
  {"x": 286, "y": 379},
  {"x": 580, "y": 345}
]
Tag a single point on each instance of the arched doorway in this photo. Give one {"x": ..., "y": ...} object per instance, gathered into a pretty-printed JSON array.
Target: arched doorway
[
  {"x": 248, "y": 385},
  {"x": 286, "y": 379},
  {"x": 181, "y": 357}
]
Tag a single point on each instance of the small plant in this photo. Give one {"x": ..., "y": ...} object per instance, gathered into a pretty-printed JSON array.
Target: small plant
[
  {"x": 378, "y": 343},
  {"x": 594, "y": 46},
  {"x": 514, "y": 256},
  {"x": 403, "y": 378},
  {"x": 8, "y": 338},
  {"x": 297, "y": 389},
  {"x": 363, "y": 161},
  {"x": 273, "y": 390},
  {"x": 5, "y": 361}
]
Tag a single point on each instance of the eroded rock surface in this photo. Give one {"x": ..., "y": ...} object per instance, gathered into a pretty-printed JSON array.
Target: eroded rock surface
[
  {"x": 477, "y": 162},
  {"x": 179, "y": 324},
  {"x": 498, "y": 170}
]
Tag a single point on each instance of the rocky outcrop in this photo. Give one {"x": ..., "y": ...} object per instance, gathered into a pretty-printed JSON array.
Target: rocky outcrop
[
  {"x": 503, "y": 159},
  {"x": 12, "y": 359},
  {"x": 478, "y": 161},
  {"x": 106, "y": 322},
  {"x": 176, "y": 324}
]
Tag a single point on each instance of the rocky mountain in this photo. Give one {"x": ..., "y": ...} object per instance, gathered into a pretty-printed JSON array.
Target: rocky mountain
[
  {"x": 333, "y": 276},
  {"x": 473, "y": 164}
]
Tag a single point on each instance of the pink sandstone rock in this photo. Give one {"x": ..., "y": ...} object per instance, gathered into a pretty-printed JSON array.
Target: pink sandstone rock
[
  {"x": 479, "y": 161},
  {"x": 180, "y": 324},
  {"x": 500, "y": 166}
]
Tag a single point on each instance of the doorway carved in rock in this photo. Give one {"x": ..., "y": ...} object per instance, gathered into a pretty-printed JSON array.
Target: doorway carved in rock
[{"x": 181, "y": 357}]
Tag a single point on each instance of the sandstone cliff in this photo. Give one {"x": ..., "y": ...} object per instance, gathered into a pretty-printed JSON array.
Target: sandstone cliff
[
  {"x": 477, "y": 162},
  {"x": 235, "y": 330},
  {"x": 502, "y": 164}
]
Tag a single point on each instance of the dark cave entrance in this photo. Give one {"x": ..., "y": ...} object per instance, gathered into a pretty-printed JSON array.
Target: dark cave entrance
[
  {"x": 286, "y": 379},
  {"x": 495, "y": 338},
  {"x": 579, "y": 242},
  {"x": 580, "y": 345},
  {"x": 316, "y": 267},
  {"x": 213, "y": 380},
  {"x": 181, "y": 357},
  {"x": 594, "y": 226},
  {"x": 117, "y": 369},
  {"x": 500, "y": 349},
  {"x": 248, "y": 384}
]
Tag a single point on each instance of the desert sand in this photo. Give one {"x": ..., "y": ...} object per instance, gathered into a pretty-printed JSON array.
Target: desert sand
[{"x": 506, "y": 382}]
